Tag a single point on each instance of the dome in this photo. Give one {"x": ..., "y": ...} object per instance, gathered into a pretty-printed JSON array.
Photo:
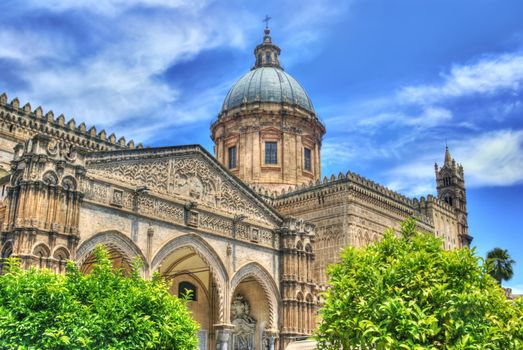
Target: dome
[{"x": 267, "y": 84}]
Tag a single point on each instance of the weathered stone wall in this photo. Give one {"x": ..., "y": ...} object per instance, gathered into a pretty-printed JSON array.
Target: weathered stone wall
[
  {"x": 347, "y": 210},
  {"x": 292, "y": 128}
]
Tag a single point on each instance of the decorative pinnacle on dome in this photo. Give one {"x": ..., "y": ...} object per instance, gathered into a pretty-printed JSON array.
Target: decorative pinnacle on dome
[{"x": 267, "y": 54}]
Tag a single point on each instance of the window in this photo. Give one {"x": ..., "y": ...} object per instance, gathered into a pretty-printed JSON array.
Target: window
[
  {"x": 267, "y": 57},
  {"x": 448, "y": 199},
  {"x": 307, "y": 159},
  {"x": 187, "y": 287},
  {"x": 259, "y": 58},
  {"x": 271, "y": 152},
  {"x": 232, "y": 157}
]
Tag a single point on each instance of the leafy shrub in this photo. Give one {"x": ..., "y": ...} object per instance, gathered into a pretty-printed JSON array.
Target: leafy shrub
[
  {"x": 408, "y": 293},
  {"x": 101, "y": 310}
]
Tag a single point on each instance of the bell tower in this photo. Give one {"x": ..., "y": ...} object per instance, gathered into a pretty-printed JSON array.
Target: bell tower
[{"x": 450, "y": 184}]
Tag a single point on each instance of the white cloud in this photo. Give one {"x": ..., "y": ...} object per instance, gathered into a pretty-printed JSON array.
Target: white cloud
[
  {"x": 492, "y": 158},
  {"x": 119, "y": 82},
  {"x": 26, "y": 46},
  {"x": 489, "y": 75},
  {"x": 415, "y": 179},
  {"x": 115, "y": 7},
  {"x": 429, "y": 117},
  {"x": 489, "y": 159}
]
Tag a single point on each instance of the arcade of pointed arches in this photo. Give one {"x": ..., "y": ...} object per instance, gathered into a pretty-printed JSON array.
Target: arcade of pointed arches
[{"x": 190, "y": 260}]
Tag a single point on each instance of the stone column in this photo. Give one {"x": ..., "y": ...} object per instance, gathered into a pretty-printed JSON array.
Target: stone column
[{"x": 223, "y": 336}]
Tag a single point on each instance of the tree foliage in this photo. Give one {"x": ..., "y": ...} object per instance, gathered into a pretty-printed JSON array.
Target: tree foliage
[
  {"x": 408, "y": 293},
  {"x": 499, "y": 264},
  {"x": 101, "y": 310}
]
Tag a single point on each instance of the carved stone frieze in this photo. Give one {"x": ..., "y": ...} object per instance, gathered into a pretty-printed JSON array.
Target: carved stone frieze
[
  {"x": 216, "y": 223},
  {"x": 162, "y": 209},
  {"x": 95, "y": 191},
  {"x": 189, "y": 178}
]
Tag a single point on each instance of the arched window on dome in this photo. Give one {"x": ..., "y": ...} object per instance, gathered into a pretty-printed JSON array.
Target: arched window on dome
[
  {"x": 259, "y": 58},
  {"x": 267, "y": 57}
]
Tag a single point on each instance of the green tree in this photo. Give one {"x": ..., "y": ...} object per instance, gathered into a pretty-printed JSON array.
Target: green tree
[
  {"x": 101, "y": 310},
  {"x": 499, "y": 264},
  {"x": 406, "y": 292}
]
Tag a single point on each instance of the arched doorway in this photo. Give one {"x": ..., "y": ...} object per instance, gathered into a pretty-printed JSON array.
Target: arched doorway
[
  {"x": 189, "y": 263},
  {"x": 254, "y": 309},
  {"x": 186, "y": 271}
]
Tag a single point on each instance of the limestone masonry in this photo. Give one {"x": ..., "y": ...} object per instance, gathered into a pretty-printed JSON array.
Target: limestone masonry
[{"x": 249, "y": 230}]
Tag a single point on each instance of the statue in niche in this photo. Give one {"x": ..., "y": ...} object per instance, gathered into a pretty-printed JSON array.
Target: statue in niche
[{"x": 244, "y": 325}]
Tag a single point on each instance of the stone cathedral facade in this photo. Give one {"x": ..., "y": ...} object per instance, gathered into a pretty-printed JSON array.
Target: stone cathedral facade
[{"x": 250, "y": 229}]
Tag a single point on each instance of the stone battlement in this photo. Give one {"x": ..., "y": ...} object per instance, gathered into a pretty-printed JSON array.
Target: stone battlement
[
  {"x": 341, "y": 178},
  {"x": 36, "y": 121},
  {"x": 423, "y": 203}
]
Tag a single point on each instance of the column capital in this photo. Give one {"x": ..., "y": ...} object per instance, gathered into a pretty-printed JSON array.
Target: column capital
[{"x": 223, "y": 335}]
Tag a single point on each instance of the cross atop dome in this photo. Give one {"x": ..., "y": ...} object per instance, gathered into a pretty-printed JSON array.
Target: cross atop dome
[
  {"x": 267, "y": 54},
  {"x": 266, "y": 20}
]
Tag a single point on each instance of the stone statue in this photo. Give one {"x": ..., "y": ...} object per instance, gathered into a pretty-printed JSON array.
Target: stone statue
[{"x": 244, "y": 324}]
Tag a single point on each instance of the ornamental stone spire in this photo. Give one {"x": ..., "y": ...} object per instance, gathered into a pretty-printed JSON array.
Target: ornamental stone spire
[
  {"x": 267, "y": 54},
  {"x": 448, "y": 157}
]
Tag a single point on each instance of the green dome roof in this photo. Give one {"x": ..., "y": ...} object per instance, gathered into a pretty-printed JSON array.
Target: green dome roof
[{"x": 267, "y": 84}]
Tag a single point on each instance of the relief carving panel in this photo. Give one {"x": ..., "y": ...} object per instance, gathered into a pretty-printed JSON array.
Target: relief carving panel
[{"x": 190, "y": 178}]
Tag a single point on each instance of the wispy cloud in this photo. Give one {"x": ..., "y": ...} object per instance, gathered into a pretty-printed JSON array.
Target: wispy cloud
[
  {"x": 492, "y": 158},
  {"x": 121, "y": 81},
  {"x": 489, "y": 159},
  {"x": 27, "y": 46},
  {"x": 428, "y": 117},
  {"x": 469, "y": 107},
  {"x": 116, "y": 7},
  {"x": 118, "y": 81},
  {"x": 489, "y": 75}
]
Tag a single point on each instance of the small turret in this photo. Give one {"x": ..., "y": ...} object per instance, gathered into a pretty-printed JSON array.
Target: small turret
[{"x": 267, "y": 54}]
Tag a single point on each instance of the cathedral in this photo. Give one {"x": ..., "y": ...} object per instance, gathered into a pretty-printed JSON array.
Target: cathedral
[{"x": 249, "y": 230}]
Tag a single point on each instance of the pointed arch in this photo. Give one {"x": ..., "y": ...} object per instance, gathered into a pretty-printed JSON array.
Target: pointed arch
[
  {"x": 7, "y": 250},
  {"x": 61, "y": 253},
  {"x": 265, "y": 279},
  {"x": 42, "y": 253},
  {"x": 112, "y": 239},
  {"x": 207, "y": 254},
  {"x": 41, "y": 249}
]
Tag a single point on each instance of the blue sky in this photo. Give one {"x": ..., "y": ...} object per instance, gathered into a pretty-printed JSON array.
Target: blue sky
[{"x": 392, "y": 80}]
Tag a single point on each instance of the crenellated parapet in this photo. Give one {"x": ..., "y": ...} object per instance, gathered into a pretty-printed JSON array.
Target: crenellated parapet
[
  {"x": 424, "y": 204},
  {"x": 348, "y": 181},
  {"x": 18, "y": 124}
]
